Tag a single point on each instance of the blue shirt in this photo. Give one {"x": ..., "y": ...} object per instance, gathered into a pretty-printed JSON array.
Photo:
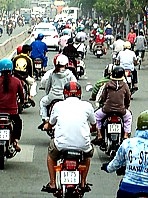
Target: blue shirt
[
  {"x": 39, "y": 48},
  {"x": 133, "y": 153}
]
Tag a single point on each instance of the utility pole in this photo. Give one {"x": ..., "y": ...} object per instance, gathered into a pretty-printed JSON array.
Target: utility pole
[{"x": 127, "y": 2}]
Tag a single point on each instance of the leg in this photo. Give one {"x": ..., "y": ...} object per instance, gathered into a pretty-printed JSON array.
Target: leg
[
  {"x": 85, "y": 172},
  {"x": 43, "y": 106},
  {"x": 127, "y": 123},
  {"x": 135, "y": 79}
]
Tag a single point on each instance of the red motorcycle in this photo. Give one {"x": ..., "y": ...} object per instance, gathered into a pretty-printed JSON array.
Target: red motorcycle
[{"x": 69, "y": 171}]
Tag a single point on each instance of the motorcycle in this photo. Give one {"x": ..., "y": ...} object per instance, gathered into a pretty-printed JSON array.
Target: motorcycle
[
  {"x": 69, "y": 170},
  {"x": 38, "y": 68},
  {"x": 80, "y": 66},
  {"x": 112, "y": 133},
  {"x": 7, "y": 148},
  {"x": 98, "y": 50},
  {"x": 129, "y": 80}
]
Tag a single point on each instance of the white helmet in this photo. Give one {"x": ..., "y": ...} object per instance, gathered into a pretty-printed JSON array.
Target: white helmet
[
  {"x": 127, "y": 45},
  {"x": 62, "y": 60}
]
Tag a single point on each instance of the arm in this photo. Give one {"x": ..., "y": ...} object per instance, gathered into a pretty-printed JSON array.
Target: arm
[
  {"x": 118, "y": 161},
  {"x": 48, "y": 84},
  {"x": 92, "y": 119}
]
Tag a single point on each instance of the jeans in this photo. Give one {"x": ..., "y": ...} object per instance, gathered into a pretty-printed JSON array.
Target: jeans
[
  {"x": 127, "y": 119},
  {"x": 124, "y": 194}
]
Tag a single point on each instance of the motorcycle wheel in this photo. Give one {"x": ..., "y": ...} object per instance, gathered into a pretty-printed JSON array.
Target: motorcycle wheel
[
  {"x": 20, "y": 108},
  {"x": 2, "y": 156},
  {"x": 98, "y": 56}
]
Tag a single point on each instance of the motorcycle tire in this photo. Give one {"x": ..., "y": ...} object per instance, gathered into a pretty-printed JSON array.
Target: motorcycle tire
[
  {"x": 98, "y": 56},
  {"x": 20, "y": 108},
  {"x": 2, "y": 157}
]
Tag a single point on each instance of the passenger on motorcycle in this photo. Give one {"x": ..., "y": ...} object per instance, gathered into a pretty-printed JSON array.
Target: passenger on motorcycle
[
  {"x": 99, "y": 85},
  {"x": 132, "y": 154},
  {"x": 71, "y": 52},
  {"x": 55, "y": 85},
  {"x": 10, "y": 88},
  {"x": 127, "y": 59},
  {"x": 99, "y": 39},
  {"x": 39, "y": 50},
  {"x": 23, "y": 69},
  {"x": 115, "y": 98},
  {"x": 72, "y": 131},
  {"x": 63, "y": 40},
  {"x": 140, "y": 43},
  {"x": 80, "y": 46}
]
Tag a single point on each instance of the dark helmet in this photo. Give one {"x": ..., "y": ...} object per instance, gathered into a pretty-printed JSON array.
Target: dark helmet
[
  {"x": 118, "y": 73},
  {"x": 19, "y": 49},
  {"x": 78, "y": 40},
  {"x": 40, "y": 36},
  {"x": 26, "y": 48},
  {"x": 142, "y": 121},
  {"x": 70, "y": 41},
  {"x": 72, "y": 89}
]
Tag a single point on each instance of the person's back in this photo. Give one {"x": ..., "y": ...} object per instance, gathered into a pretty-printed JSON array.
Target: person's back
[
  {"x": 70, "y": 51},
  {"x": 73, "y": 124},
  {"x": 140, "y": 42},
  {"x": 38, "y": 49},
  {"x": 118, "y": 45},
  {"x": 116, "y": 97}
]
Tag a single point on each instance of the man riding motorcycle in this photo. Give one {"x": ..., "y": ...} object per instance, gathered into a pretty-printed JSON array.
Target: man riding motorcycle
[
  {"x": 118, "y": 45},
  {"x": 81, "y": 35},
  {"x": 71, "y": 52},
  {"x": 63, "y": 40},
  {"x": 39, "y": 50},
  {"x": 23, "y": 69},
  {"x": 116, "y": 98},
  {"x": 54, "y": 86},
  {"x": 132, "y": 154},
  {"x": 127, "y": 59},
  {"x": 10, "y": 88},
  {"x": 72, "y": 131}
]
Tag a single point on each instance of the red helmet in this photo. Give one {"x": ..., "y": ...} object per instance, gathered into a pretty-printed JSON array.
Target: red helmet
[
  {"x": 19, "y": 49},
  {"x": 72, "y": 89},
  {"x": 55, "y": 59},
  {"x": 67, "y": 26}
]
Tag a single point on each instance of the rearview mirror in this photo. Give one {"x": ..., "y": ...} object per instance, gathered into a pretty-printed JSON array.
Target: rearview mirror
[{"x": 89, "y": 87}]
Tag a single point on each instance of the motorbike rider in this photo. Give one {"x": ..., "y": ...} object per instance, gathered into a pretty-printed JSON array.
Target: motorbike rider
[
  {"x": 10, "y": 88},
  {"x": 39, "y": 50},
  {"x": 99, "y": 39},
  {"x": 63, "y": 40},
  {"x": 127, "y": 59},
  {"x": 81, "y": 35},
  {"x": 92, "y": 36},
  {"x": 116, "y": 98},
  {"x": 23, "y": 69},
  {"x": 68, "y": 128},
  {"x": 140, "y": 43},
  {"x": 118, "y": 45},
  {"x": 71, "y": 52},
  {"x": 133, "y": 154},
  {"x": 55, "y": 85},
  {"x": 99, "y": 85}
]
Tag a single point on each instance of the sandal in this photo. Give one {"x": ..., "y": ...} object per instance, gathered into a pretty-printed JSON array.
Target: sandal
[
  {"x": 48, "y": 189},
  {"x": 15, "y": 144}
]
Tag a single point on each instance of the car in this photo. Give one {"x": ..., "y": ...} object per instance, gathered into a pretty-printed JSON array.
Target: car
[{"x": 51, "y": 37}]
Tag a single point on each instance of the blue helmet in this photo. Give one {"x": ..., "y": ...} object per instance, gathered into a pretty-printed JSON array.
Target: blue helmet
[
  {"x": 6, "y": 64},
  {"x": 40, "y": 36},
  {"x": 65, "y": 32}
]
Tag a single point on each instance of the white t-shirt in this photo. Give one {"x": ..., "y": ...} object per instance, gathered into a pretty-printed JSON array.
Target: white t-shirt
[
  {"x": 72, "y": 117},
  {"x": 127, "y": 58},
  {"x": 118, "y": 45},
  {"x": 80, "y": 47}
]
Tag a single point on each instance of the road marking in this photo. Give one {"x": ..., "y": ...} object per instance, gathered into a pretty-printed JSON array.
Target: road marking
[{"x": 26, "y": 154}]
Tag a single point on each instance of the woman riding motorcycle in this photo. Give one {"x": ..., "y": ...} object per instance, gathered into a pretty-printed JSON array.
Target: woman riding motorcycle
[
  {"x": 55, "y": 85},
  {"x": 10, "y": 89},
  {"x": 133, "y": 155},
  {"x": 116, "y": 98}
]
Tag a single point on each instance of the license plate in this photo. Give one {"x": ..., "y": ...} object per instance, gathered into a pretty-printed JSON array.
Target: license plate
[
  {"x": 69, "y": 177},
  {"x": 99, "y": 52},
  {"x": 38, "y": 66},
  {"x": 78, "y": 69},
  {"x": 129, "y": 80},
  {"x": 114, "y": 128},
  {"x": 4, "y": 134}
]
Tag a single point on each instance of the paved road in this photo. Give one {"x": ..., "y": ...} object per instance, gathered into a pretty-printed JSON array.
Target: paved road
[
  {"x": 25, "y": 174},
  {"x": 16, "y": 31}
]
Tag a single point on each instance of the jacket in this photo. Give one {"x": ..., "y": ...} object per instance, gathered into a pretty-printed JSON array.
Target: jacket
[
  {"x": 133, "y": 153},
  {"x": 115, "y": 97},
  {"x": 8, "y": 101}
]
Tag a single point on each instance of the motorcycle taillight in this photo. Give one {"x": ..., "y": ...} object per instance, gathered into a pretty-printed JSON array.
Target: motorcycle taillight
[
  {"x": 70, "y": 164},
  {"x": 114, "y": 119},
  {"x": 78, "y": 62}
]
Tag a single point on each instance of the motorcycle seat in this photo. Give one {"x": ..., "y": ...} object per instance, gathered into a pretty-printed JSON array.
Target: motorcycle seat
[{"x": 71, "y": 153}]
